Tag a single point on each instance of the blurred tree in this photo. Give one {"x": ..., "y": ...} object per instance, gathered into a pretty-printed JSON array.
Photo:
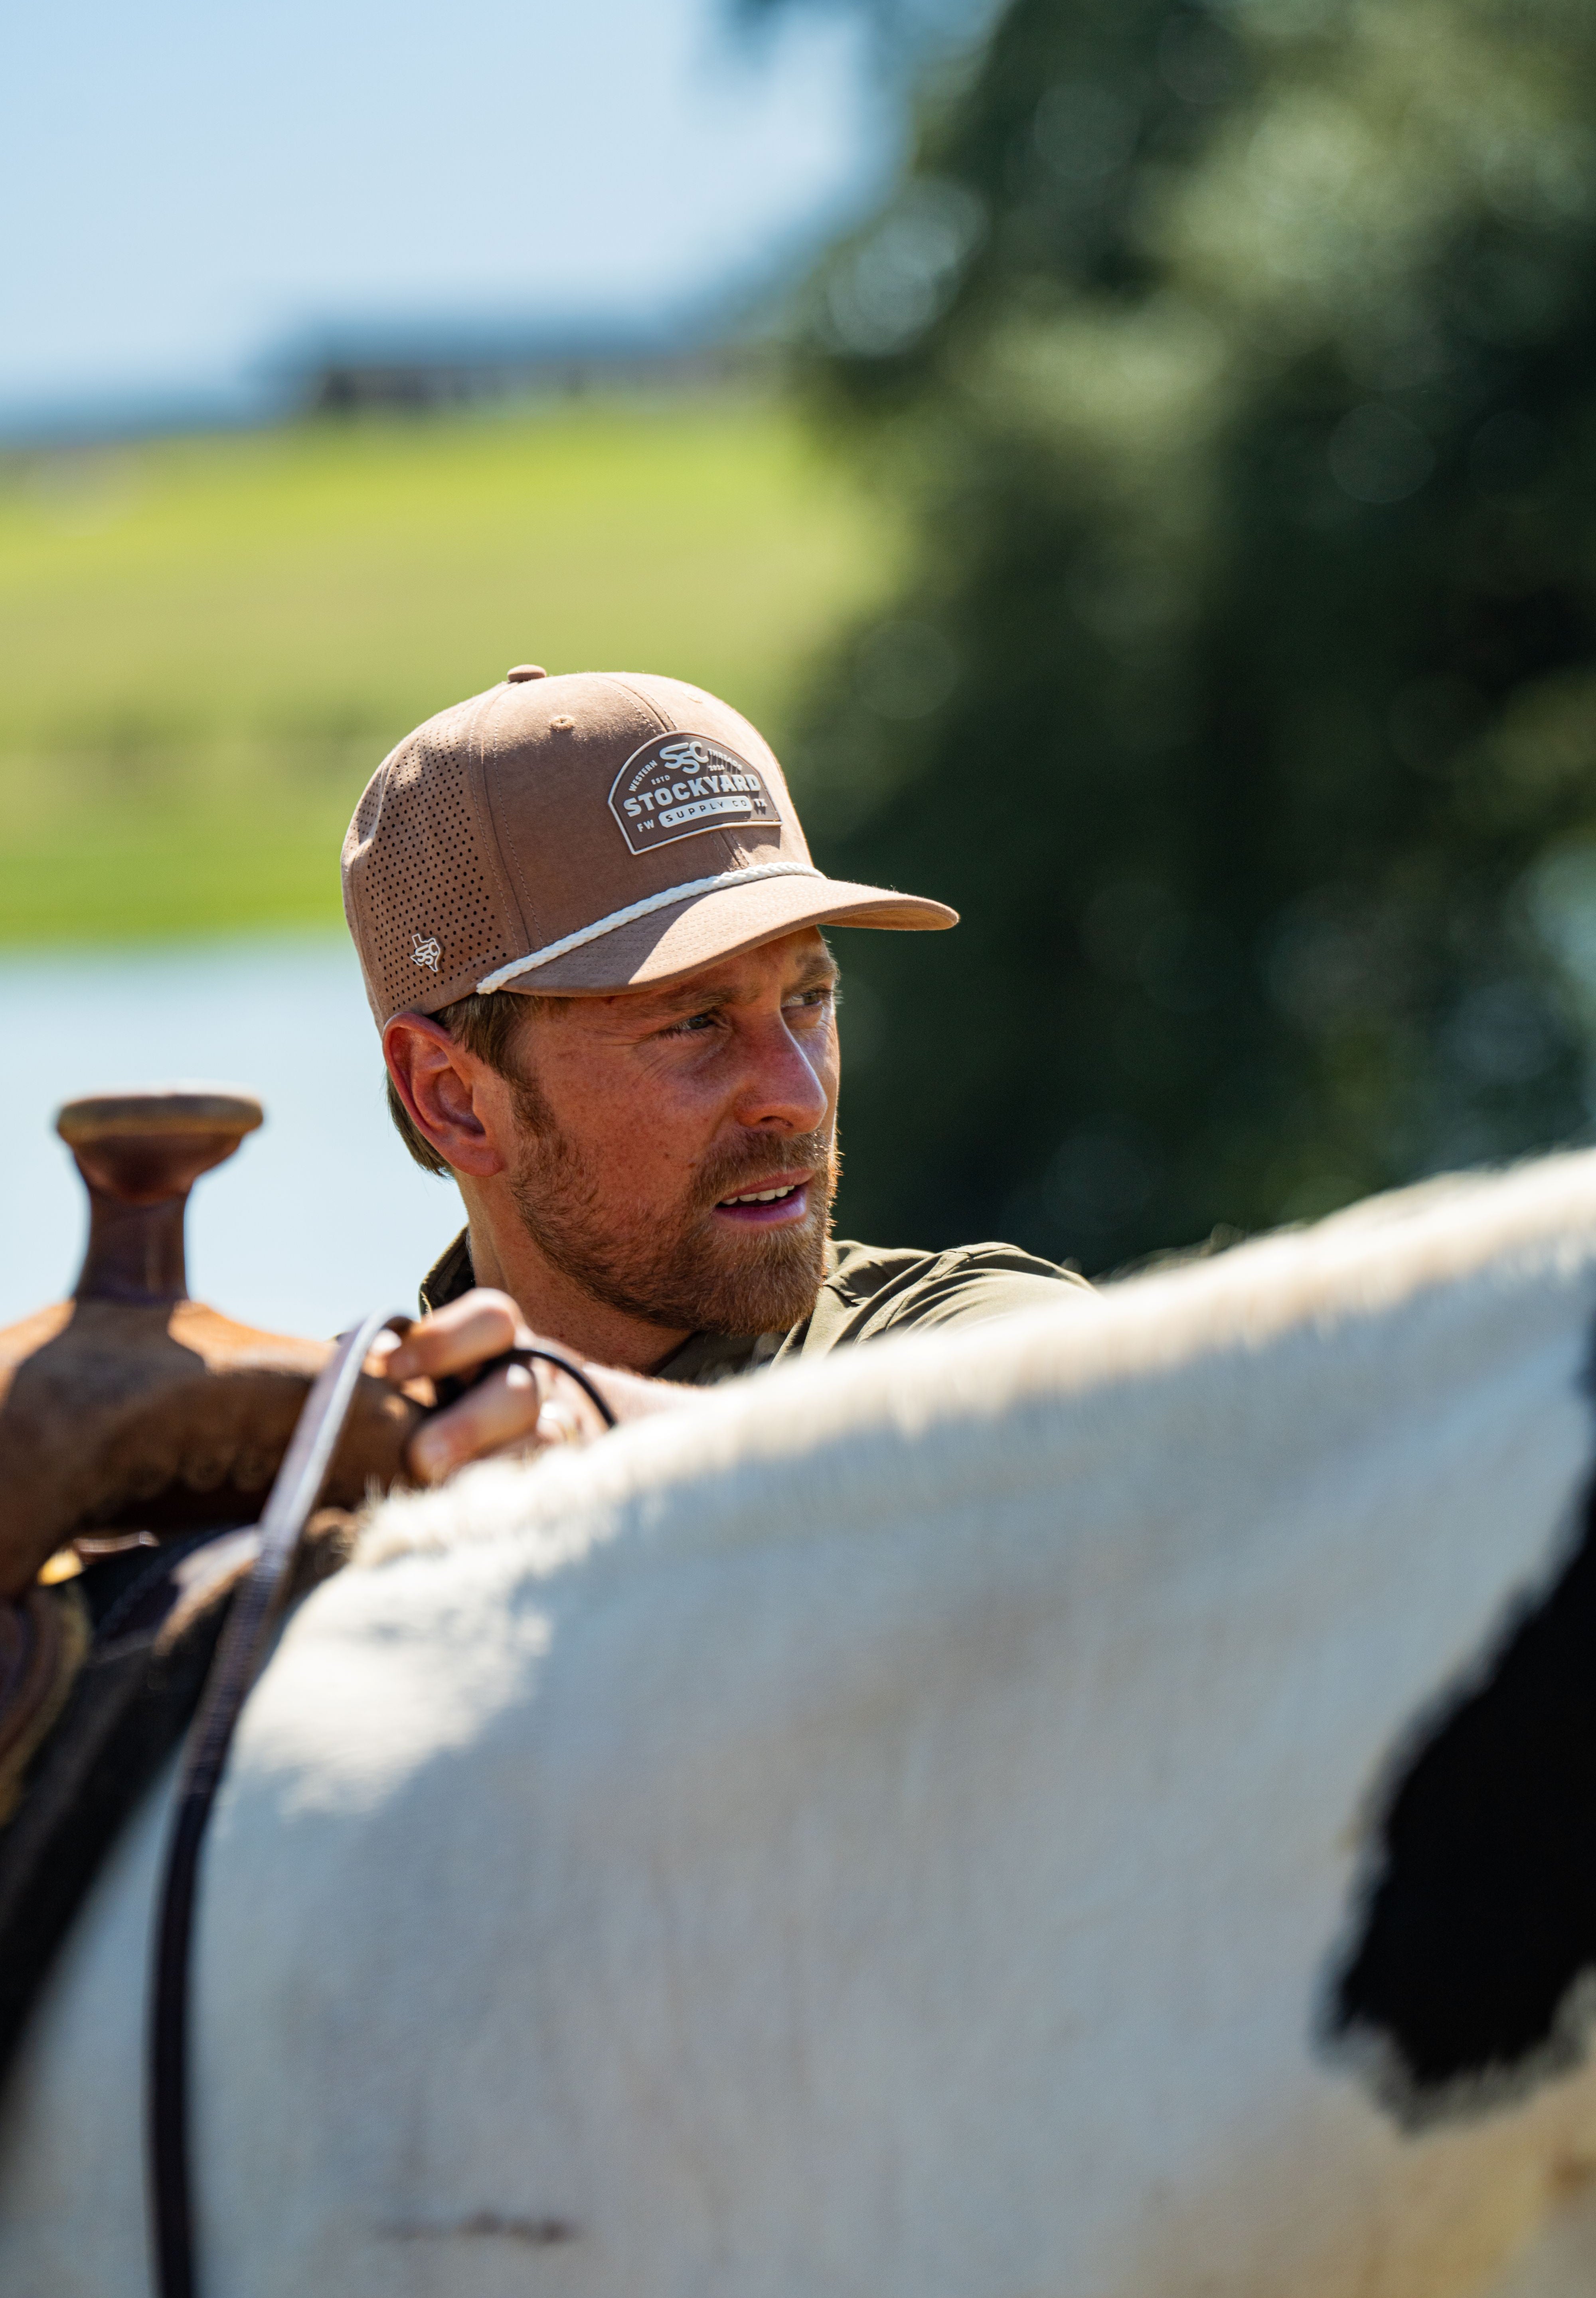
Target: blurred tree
[{"x": 1240, "y": 362}]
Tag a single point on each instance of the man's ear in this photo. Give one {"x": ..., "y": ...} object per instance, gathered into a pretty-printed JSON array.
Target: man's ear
[{"x": 445, "y": 1090}]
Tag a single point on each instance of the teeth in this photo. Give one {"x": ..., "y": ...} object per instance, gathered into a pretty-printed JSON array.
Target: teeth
[{"x": 761, "y": 1196}]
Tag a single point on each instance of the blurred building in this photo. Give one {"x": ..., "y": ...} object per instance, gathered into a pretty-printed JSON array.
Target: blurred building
[{"x": 350, "y": 370}]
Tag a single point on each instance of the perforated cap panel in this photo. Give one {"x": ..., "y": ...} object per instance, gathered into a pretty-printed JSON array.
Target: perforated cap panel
[{"x": 419, "y": 878}]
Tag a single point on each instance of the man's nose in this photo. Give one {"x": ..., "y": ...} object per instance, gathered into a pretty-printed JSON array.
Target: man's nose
[{"x": 785, "y": 1082}]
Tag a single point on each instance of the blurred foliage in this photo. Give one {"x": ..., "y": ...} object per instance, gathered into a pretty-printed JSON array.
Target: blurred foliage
[
  {"x": 1237, "y": 363},
  {"x": 206, "y": 645}
]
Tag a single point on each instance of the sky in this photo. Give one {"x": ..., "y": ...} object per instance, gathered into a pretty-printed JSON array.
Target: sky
[{"x": 189, "y": 184}]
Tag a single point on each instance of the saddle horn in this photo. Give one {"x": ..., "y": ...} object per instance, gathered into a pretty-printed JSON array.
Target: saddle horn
[{"x": 139, "y": 1154}]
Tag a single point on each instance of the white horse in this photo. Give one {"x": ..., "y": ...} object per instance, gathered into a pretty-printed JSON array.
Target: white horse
[{"x": 1096, "y": 1805}]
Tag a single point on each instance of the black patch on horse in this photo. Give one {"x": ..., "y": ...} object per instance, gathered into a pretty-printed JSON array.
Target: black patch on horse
[{"x": 1472, "y": 1975}]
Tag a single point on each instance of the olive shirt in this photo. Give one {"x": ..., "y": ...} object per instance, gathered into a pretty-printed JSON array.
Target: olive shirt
[{"x": 868, "y": 1290}]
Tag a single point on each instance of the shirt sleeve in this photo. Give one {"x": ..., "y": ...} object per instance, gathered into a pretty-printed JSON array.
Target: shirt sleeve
[
  {"x": 982, "y": 1281},
  {"x": 874, "y": 1292}
]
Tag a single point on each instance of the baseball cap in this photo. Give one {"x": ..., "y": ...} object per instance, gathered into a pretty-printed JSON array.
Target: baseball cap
[{"x": 598, "y": 832}]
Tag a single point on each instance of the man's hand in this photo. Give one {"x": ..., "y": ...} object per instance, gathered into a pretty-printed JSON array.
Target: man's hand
[{"x": 519, "y": 1409}]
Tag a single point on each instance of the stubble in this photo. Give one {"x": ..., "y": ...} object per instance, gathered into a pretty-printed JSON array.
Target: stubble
[{"x": 692, "y": 1274}]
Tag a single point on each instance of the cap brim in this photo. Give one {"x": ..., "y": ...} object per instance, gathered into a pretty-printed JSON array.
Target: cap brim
[{"x": 651, "y": 951}]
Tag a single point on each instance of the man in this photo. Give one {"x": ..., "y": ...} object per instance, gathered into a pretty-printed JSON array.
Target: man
[{"x": 590, "y": 932}]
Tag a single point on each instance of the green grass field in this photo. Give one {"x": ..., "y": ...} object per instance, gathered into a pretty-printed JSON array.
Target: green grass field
[{"x": 206, "y": 645}]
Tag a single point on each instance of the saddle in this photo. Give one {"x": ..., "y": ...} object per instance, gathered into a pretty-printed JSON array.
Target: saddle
[{"x": 140, "y": 1432}]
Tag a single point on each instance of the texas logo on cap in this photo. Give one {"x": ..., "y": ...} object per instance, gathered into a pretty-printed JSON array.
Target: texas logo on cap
[{"x": 679, "y": 784}]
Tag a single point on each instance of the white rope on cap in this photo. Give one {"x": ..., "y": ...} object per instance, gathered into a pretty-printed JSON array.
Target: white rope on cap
[{"x": 645, "y": 908}]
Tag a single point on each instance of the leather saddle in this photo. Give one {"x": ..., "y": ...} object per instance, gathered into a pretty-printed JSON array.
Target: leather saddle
[{"x": 131, "y": 1408}]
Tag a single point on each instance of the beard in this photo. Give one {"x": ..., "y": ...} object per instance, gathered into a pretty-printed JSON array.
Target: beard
[{"x": 685, "y": 1274}]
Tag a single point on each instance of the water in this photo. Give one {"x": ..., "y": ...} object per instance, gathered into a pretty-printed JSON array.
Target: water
[{"x": 319, "y": 1215}]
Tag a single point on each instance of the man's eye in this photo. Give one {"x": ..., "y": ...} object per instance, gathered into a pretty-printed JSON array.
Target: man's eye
[
  {"x": 692, "y": 1026},
  {"x": 809, "y": 1000}
]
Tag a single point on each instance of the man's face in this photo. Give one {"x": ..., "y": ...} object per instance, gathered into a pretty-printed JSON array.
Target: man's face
[{"x": 677, "y": 1147}]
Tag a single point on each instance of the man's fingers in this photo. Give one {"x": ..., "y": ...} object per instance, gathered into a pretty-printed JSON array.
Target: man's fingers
[
  {"x": 500, "y": 1411},
  {"x": 468, "y": 1333},
  {"x": 510, "y": 1410}
]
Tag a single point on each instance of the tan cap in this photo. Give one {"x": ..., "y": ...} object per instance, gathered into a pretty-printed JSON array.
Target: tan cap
[{"x": 593, "y": 832}]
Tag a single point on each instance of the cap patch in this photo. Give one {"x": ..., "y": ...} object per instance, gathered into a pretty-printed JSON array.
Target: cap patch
[{"x": 679, "y": 784}]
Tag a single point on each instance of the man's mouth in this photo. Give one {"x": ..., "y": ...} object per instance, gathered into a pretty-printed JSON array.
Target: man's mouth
[{"x": 781, "y": 1198}]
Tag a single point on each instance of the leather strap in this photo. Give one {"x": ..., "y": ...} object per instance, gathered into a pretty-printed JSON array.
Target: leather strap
[
  {"x": 294, "y": 1497},
  {"x": 44, "y": 1641},
  {"x": 448, "y": 1392},
  {"x": 562, "y": 1364},
  {"x": 254, "y": 1614}
]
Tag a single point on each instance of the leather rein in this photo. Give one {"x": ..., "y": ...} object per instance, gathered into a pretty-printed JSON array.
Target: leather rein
[{"x": 251, "y": 1623}]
